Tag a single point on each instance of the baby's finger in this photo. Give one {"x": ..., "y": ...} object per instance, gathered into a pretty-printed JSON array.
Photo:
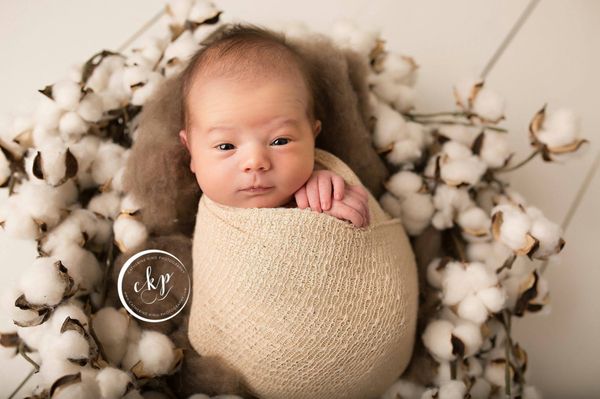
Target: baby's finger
[
  {"x": 338, "y": 186},
  {"x": 324, "y": 183},
  {"x": 301, "y": 198},
  {"x": 355, "y": 200},
  {"x": 312, "y": 191}
]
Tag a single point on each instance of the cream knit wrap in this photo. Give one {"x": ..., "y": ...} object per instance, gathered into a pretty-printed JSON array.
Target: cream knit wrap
[{"x": 302, "y": 304}]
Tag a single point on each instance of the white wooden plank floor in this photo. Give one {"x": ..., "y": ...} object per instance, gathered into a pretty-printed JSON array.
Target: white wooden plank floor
[{"x": 552, "y": 58}]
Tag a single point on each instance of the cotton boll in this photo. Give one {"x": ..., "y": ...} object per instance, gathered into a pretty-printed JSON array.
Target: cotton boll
[
  {"x": 514, "y": 228},
  {"x": 90, "y": 109},
  {"x": 400, "y": 68},
  {"x": 547, "y": 233},
  {"x": 55, "y": 162},
  {"x": 141, "y": 94},
  {"x": 417, "y": 210},
  {"x": 449, "y": 201},
  {"x": 67, "y": 94},
  {"x": 495, "y": 150},
  {"x": 72, "y": 309},
  {"x": 129, "y": 233},
  {"x": 404, "y": 151},
  {"x": 67, "y": 345},
  {"x": 134, "y": 75},
  {"x": 400, "y": 389},
  {"x": 82, "y": 265},
  {"x": 111, "y": 328},
  {"x": 17, "y": 222},
  {"x": 347, "y": 34},
  {"x": 389, "y": 128},
  {"x": 456, "y": 285},
  {"x": 391, "y": 205},
  {"x": 403, "y": 183},
  {"x": 72, "y": 127},
  {"x": 107, "y": 204},
  {"x": 435, "y": 272},
  {"x": 202, "y": 11},
  {"x": 492, "y": 254},
  {"x": 156, "y": 352},
  {"x": 116, "y": 87},
  {"x": 107, "y": 162},
  {"x": 48, "y": 113},
  {"x": 462, "y": 134},
  {"x": 87, "y": 388},
  {"x": 178, "y": 10},
  {"x": 479, "y": 276},
  {"x": 117, "y": 181},
  {"x": 112, "y": 382},
  {"x": 489, "y": 105},
  {"x": 179, "y": 52},
  {"x": 452, "y": 390},
  {"x": 493, "y": 298},
  {"x": 472, "y": 308},
  {"x": 40, "y": 134},
  {"x": 495, "y": 372},
  {"x": 559, "y": 128},
  {"x": 465, "y": 90},
  {"x": 42, "y": 284},
  {"x": 79, "y": 224},
  {"x": 459, "y": 167},
  {"x": 52, "y": 369},
  {"x": 437, "y": 339},
  {"x": 475, "y": 223}
]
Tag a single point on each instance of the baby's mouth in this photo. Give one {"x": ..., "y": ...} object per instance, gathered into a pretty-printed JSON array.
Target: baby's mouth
[{"x": 257, "y": 189}]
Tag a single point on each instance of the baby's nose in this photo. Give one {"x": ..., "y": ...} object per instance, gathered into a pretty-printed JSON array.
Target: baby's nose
[{"x": 256, "y": 162}]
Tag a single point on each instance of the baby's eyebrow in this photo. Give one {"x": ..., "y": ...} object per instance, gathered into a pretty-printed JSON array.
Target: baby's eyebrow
[{"x": 276, "y": 123}]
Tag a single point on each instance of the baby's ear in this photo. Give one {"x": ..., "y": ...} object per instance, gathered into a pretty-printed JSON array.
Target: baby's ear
[
  {"x": 317, "y": 128},
  {"x": 183, "y": 139}
]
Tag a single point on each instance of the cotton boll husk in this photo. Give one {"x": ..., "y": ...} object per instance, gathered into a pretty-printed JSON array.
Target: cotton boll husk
[
  {"x": 462, "y": 134},
  {"x": 107, "y": 162},
  {"x": 480, "y": 389},
  {"x": 391, "y": 205},
  {"x": 156, "y": 352},
  {"x": 390, "y": 126},
  {"x": 67, "y": 94},
  {"x": 515, "y": 226},
  {"x": 48, "y": 113},
  {"x": 73, "y": 309},
  {"x": 72, "y": 127},
  {"x": 9, "y": 296},
  {"x": 417, "y": 210},
  {"x": 452, "y": 390},
  {"x": 112, "y": 382},
  {"x": 17, "y": 222},
  {"x": 489, "y": 105},
  {"x": 401, "y": 389},
  {"x": 347, "y": 34},
  {"x": 90, "y": 109},
  {"x": 67, "y": 345},
  {"x": 547, "y": 233},
  {"x": 52, "y": 369},
  {"x": 403, "y": 183},
  {"x": 472, "y": 308},
  {"x": 129, "y": 233},
  {"x": 495, "y": 149},
  {"x": 41, "y": 282},
  {"x": 5, "y": 171},
  {"x": 87, "y": 388},
  {"x": 32, "y": 336},
  {"x": 111, "y": 328},
  {"x": 436, "y": 338},
  {"x": 559, "y": 128},
  {"x": 470, "y": 335},
  {"x": 107, "y": 204},
  {"x": 82, "y": 265}
]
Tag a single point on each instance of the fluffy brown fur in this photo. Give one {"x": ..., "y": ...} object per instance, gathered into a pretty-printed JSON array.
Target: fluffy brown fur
[{"x": 158, "y": 175}]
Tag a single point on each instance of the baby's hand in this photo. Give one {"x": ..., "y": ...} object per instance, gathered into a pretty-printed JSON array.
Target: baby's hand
[
  {"x": 317, "y": 192},
  {"x": 350, "y": 205}
]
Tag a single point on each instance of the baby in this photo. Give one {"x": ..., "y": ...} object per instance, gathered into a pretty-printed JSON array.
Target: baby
[{"x": 250, "y": 125}]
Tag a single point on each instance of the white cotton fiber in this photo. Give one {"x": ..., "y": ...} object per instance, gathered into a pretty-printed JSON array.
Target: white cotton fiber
[
  {"x": 546, "y": 232},
  {"x": 493, "y": 298},
  {"x": 111, "y": 327},
  {"x": 82, "y": 265},
  {"x": 73, "y": 309},
  {"x": 417, "y": 210},
  {"x": 48, "y": 113},
  {"x": 495, "y": 149},
  {"x": 390, "y": 126},
  {"x": 435, "y": 274},
  {"x": 107, "y": 204},
  {"x": 463, "y": 90},
  {"x": 559, "y": 128},
  {"x": 402, "y": 389},
  {"x": 108, "y": 160},
  {"x": 436, "y": 338},
  {"x": 404, "y": 151},
  {"x": 391, "y": 205},
  {"x": 112, "y": 382},
  {"x": 66, "y": 93},
  {"x": 90, "y": 109},
  {"x": 347, "y": 34},
  {"x": 52, "y": 369},
  {"x": 459, "y": 133},
  {"x": 129, "y": 233},
  {"x": 489, "y": 105},
  {"x": 472, "y": 308},
  {"x": 480, "y": 389},
  {"x": 41, "y": 282},
  {"x": 72, "y": 127},
  {"x": 452, "y": 390},
  {"x": 156, "y": 352},
  {"x": 515, "y": 226},
  {"x": 403, "y": 183}
]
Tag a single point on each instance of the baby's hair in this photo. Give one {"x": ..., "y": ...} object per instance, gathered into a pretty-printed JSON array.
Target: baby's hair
[{"x": 246, "y": 51}]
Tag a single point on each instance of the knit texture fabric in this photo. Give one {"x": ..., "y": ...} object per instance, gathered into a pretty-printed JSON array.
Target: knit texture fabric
[{"x": 302, "y": 304}]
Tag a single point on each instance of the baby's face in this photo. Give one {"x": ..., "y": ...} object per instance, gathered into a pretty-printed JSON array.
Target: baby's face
[{"x": 250, "y": 133}]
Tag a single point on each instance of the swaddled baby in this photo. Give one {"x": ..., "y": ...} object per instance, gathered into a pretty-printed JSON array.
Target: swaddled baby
[{"x": 290, "y": 321}]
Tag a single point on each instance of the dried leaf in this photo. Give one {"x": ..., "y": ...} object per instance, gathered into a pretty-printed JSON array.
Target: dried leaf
[
  {"x": 64, "y": 381},
  {"x": 47, "y": 91}
]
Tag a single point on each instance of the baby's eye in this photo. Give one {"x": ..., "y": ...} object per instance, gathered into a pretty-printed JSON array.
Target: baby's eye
[
  {"x": 281, "y": 138},
  {"x": 219, "y": 146}
]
